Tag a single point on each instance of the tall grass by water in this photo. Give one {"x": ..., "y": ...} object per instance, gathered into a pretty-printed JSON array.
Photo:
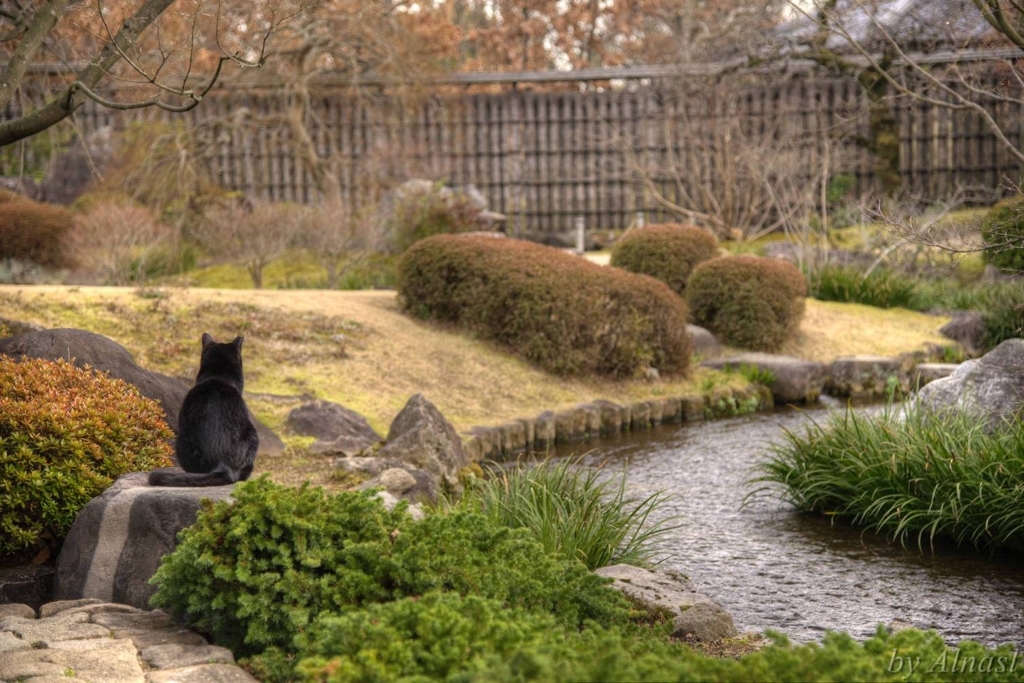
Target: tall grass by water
[
  {"x": 907, "y": 474},
  {"x": 576, "y": 511}
]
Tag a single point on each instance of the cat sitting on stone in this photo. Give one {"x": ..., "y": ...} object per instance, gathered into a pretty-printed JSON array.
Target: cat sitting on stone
[{"x": 216, "y": 442}]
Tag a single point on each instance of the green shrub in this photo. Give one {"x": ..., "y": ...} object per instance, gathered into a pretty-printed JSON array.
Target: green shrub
[
  {"x": 1002, "y": 312},
  {"x": 35, "y": 233},
  {"x": 909, "y": 475},
  {"x": 881, "y": 288},
  {"x": 255, "y": 573},
  {"x": 666, "y": 252},
  {"x": 447, "y": 637},
  {"x": 65, "y": 434},
  {"x": 747, "y": 301},
  {"x": 1003, "y": 234},
  {"x": 438, "y": 636},
  {"x": 421, "y": 213},
  {"x": 574, "y": 511},
  {"x": 568, "y": 315}
]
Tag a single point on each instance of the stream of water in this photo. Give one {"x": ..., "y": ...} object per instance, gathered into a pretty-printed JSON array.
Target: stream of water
[{"x": 774, "y": 568}]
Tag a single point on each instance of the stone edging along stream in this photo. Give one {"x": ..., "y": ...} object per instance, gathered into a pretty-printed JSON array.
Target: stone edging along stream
[{"x": 797, "y": 381}]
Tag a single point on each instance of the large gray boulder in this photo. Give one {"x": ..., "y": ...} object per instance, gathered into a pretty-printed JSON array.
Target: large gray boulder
[
  {"x": 103, "y": 354},
  {"x": 421, "y": 438},
  {"x": 967, "y": 328},
  {"x": 693, "y": 614},
  {"x": 796, "y": 380},
  {"x": 990, "y": 389},
  {"x": 705, "y": 344},
  {"x": 118, "y": 538},
  {"x": 338, "y": 430}
]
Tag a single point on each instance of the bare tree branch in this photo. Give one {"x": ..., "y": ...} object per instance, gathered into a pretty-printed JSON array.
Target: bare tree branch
[{"x": 34, "y": 35}]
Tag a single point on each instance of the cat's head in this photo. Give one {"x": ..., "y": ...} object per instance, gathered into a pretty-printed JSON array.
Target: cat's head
[{"x": 223, "y": 361}]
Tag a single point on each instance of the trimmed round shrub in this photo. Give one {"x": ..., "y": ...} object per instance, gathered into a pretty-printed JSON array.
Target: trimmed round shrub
[
  {"x": 567, "y": 315},
  {"x": 1003, "y": 234},
  {"x": 65, "y": 434},
  {"x": 255, "y": 573},
  {"x": 34, "y": 232},
  {"x": 747, "y": 301},
  {"x": 667, "y": 252}
]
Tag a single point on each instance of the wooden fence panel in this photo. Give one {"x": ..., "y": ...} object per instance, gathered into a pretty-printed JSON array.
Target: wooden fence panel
[{"x": 546, "y": 158}]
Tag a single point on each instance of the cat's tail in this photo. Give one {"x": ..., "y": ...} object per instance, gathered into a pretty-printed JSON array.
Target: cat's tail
[{"x": 172, "y": 476}]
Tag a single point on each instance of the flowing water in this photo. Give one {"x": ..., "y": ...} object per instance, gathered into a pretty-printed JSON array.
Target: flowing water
[{"x": 774, "y": 568}]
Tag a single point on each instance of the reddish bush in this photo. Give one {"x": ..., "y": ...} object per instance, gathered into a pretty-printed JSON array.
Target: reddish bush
[
  {"x": 747, "y": 301},
  {"x": 668, "y": 252},
  {"x": 34, "y": 232},
  {"x": 568, "y": 315},
  {"x": 65, "y": 435}
]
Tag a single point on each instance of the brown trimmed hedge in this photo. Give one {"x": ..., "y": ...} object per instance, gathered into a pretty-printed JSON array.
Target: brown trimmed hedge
[
  {"x": 747, "y": 301},
  {"x": 34, "y": 232},
  {"x": 568, "y": 315},
  {"x": 668, "y": 252}
]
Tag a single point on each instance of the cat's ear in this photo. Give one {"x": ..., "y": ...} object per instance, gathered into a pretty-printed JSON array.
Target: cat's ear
[
  {"x": 238, "y": 342},
  {"x": 207, "y": 339}
]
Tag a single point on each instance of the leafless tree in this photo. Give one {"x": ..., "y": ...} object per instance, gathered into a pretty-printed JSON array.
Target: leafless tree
[
  {"x": 735, "y": 179},
  {"x": 939, "y": 54},
  {"x": 340, "y": 239},
  {"x": 118, "y": 239},
  {"x": 253, "y": 233}
]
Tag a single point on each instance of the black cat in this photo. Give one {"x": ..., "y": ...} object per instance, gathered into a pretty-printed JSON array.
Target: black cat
[{"x": 216, "y": 441}]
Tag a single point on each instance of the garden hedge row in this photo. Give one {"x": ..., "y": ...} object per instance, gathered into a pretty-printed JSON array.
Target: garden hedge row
[{"x": 568, "y": 315}]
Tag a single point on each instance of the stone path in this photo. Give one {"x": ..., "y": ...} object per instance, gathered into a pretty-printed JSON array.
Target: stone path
[{"x": 100, "y": 642}]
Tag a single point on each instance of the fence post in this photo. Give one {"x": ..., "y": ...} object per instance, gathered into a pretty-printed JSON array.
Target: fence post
[{"x": 580, "y": 235}]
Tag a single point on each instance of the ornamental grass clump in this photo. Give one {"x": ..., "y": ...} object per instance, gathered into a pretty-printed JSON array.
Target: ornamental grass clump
[
  {"x": 668, "y": 252},
  {"x": 574, "y": 510},
  {"x": 910, "y": 475},
  {"x": 65, "y": 434},
  {"x": 569, "y": 316},
  {"x": 880, "y": 288},
  {"x": 747, "y": 301}
]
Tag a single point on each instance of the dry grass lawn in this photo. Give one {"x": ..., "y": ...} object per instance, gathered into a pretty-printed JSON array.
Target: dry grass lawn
[{"x": 358, "y": 349}]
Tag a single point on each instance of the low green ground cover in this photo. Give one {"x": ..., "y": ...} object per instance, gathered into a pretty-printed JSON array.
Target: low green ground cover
[
  {"x": 913, "y": 476},
  {"x": 309, "y": 586}
]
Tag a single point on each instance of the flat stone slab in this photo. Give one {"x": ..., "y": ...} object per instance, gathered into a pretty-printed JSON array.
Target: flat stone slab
[
  {"x": 99, "y": 642},
  {"x": 175, "y": 655},
  {"x": 866, "y": 377},
  {"x": 796, "y": 380},
  {"x": 926, "y": 373},
  {"x": 205, "y": 673},
  {"x": 106, "y": 661},
  {"x": 692, "y": 613},
  {"x": 17, "y": 610}
]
